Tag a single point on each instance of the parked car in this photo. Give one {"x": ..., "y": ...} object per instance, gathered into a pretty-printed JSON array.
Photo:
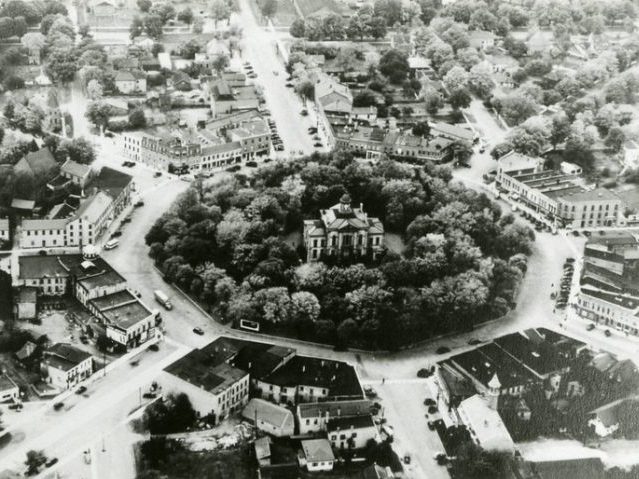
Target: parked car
[
  {"x": 441, "y": 458},
  {"x": 317, "y": 144},
  {"x": 370, "y": 392},
  {"x": 607, "y": 333},
  {"x": 57, "y": 406},
  {"x": 442, "y": 350},
  {"x": 407, "y": 459},
  {"x": 251, "y": 164},
  {"x": 154, "y": 347},
  {"x": 289, "y": 85},
  {"x": 116, "y": 234},
  {"x": 304, "y": 112},
  {"x": 431, "y": 425},
  {"x": 474, "y": 341},
  {"x": 139, "y": 203},
  {"x": 590, "y": 327},
  {"x": 81, "y": 390},
  {"x": 432, "y": 409},
  {"x": 157, "y": 174},
  {"x": 51, "y": 462},
  {"x": 429, "y": 402},
  {"x": 279, "y": 148},
  {"x": 149, "y": 395},
  {"x": 198, "y": 331},
  {"x": 15, "y": 407}
]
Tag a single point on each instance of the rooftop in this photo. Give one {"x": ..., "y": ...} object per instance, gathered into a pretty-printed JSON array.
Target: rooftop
[
  {"x": 486, "y": 424},
  {"x": 318, "y": 450},
  {"x": 582, "y": 468},
  {"x": 541, "y": 357},
  {"x": 355, "y": 422},
  {"x": 65, "y": 356},
  {"x": 598, "y": 194},
  {"x": 268, "y": 412},
  {"x": 112, "y": 181},
  {"x": 73, "y": 168},
  {"x": 357, "y": 407}
]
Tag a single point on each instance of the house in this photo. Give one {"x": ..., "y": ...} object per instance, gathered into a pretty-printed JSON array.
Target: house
[
  {"x": 226, "y": 99},
  {"x": 215, "y": 387},
  {"x": 181, "y": 81},
  {"x": 419, "y": 66},
  {"x": 9, "y": 390},
  {"x": 452, "y": 132},
  {"x": 63, "y": 366},
  {"x": 27, "y": 303},
  {"x": 102, "y": 8},
  {"x": 313, "y": 417},
  {"x": 366, "y": 114},
  {"x": 333, "y": 97},
  {"x": 343, "y": 231},
  {"x": 22, "y": 206},
  {"x": 4, "y": 232},
  {"x": 129, "y": 82},
  {"x": 262, "y": 448},
  {"x": 351, "y": 432},
  {"x": 270, "y": 418},
  {"x": 39, "y": 165},
  {"x": 26, "y": 351},
  {"x": 631, "y": 154},
  {"x": 317, "y": 455},
  {"x": 581, "y": 468},
  {"x": 484, "y": 424},
  {"x": 481, "y": 39},
  {"x": 77, "y": 173}
]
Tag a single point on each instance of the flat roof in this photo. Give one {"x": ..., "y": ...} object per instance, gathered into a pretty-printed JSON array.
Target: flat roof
[
  {"x": 540, "y": 357},
  {"x": 126, "y": 315},
  {"x": 213, "y": 379}
]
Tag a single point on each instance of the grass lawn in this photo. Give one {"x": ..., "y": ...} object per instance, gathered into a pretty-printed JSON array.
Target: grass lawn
[
  {"x": 309, "y": 7},
  {"x": 284, "y": 16}
]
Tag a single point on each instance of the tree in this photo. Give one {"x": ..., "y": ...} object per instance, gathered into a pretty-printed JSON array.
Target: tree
[
  {"x": 459, "y": 99},
  {"x": 144, "y": 5},
  {"x": 186, "y": 16},
  {"x": 472, "y": 462},
  {"x": 153, "y": 26},
  {"x": 6, "y": 27},
  {"x": 347, "y": 330},
  {"x": 516, "y": 48},
  {"x": 482, "y": 19},
  {"x": 377, "y": 27},
  {"x": 516, "y": 107},
  {"x": 35, "y": 459},
  {"x": 165, "y": 11},
  {"x": 461, "y": 151},
  {"x": 34, "y": 41},
  {"x": 137, "y": 27},
  {"x": 94, "y": 90},
  {"x": 137, "y": 118},
  {"x": 455, "y": 79},
  {"x": 394, "y": 65},
  {"x": 79, "y": 150},
  {"x": 190, "y": 48},
  {"x": 62, "y": 64},
  {"x": 19, "y": 26},
  {"x": 480, "y": 80},
  {"x": 220, "y": 63},
  {"x": 559, "y": 130},
  {"x": 365, "y": 98},
  {"x": 268, "y": 8},
  {"x": 421, "y": 128},
  {"x": 98, "y": 113},
  {"x": 298, "y": 28},
  {"x": 615, "y": 139},
  {"x": 220, "y": 11},
  {"x": 433, "y": 100}
]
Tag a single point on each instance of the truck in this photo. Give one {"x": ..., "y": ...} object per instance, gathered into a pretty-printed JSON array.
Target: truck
[{"x": 163, "y": 299}]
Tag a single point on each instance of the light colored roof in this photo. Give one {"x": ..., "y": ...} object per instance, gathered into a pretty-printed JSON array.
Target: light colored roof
[
  {"x": 486, "y": 424},
  {"x": 418, "y": 63},
  {"x": 327, "y": 85},
  {"x": 22, "y": 204},
  {"x": 276, "y": 416},
  {"x": 75, "y": 169},
  {"x": 262, "y": 447},
  {"x": 249, "y": 129},
  {"x": 318, "y": 450},
  {"x": 630, "y": 145},
  {"x": 513, "y": 161},
  {"x": 43, "y": 224},
  {"x": 453, "y": 130},
  {"x": 494, "y": 383},
  {"x": 95, "y": 207},
  {"x": 4, "y": 224},
  {"x": 598, "y": 194}
]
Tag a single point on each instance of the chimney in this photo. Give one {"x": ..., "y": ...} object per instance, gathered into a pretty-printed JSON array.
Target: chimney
[
  {"x": 339, "y": 411},
  {"x": 303, "y": 368},
  {"x": 249, "y": 364}
]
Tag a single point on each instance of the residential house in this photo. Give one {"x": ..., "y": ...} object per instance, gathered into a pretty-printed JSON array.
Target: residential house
[
  {"x": 332, "y": 97},
  {"x": 377, "y": 472},
  {"x": 317, "y": 455},
  {"x": 27, "y": 303},
  {"x": 130, "y": 82},
  {"x": 605, "y": 420},
  {"x": 313, "y": 417},
  {"x": 77, "y": 173},
  {"x": 181, "y": 81},
  {"x": 481, "y": 39},
  {"x": 102, "y": 8},
  {"x": 9, "y": 390},
  {"x": 270, "y": 418},
  {"x": 226, "y": 99},
  {"x": 39, "y": 165},
  {"x": 26, "y": 352},
  {"x": 419, "y": 66},
  {"x": 117, "y": 185},
  {"x": 63, "y": 366},
  {"x": 4, "y": 232},
  {"x": 343, "y": 231}
]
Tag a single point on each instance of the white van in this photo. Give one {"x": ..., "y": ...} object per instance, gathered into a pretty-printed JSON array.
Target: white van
[{"x": 111, "y": 244}]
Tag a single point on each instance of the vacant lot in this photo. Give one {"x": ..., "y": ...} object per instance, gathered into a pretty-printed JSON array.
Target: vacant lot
[{"x": 310, "y": 7}]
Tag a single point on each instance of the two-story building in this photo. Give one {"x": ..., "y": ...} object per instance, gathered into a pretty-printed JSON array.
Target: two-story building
[
  {"x": 63, "y": 366},
  {"x": 77, "y": 173},
  {"x": 130, "y": 82},
  {"x": 313, "y": 417},
  {"x": 343, "y": 231}
]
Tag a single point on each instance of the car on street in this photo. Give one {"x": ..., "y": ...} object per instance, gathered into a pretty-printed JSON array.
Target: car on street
[
  {"x": 279, "y": 147},
  {"x": 431, "y": 425},
  {"x": 429, "y": 402},
  {"x": 81, "y": 390},
  {"x": 317, "y": 144},
  {"x": 441, "y": 458},
  {"x": 199, "y": 331},
  {"x": 139, "y": 203},
  {"x": 126, "y": 220},
  {"x": 251, "y": 164},
  {"x": 289, "y": 85},
  {"x": 304, "y": 112},
  {"x": 607, "y": 333},
  {"x": 442, "y": 350},
  {"x": 149, "y": 395},
  {"x": 51, "y": 462},
  {"x": 154, "y": 347},
  {"x": 474, "y": 341},
  {"x": 15, "y": 407},
  {"x": 406, "y": 458},
  {"x": 370, "y": 392},
  {"x": 157, "y": 174},
  {"x": 590, "y": 327},
  {"x": 57, "y": 406},
  {"x": 252, "y": 75},
  {"x": 116, "y": 234},
  {"x": 432, "y": 409}
]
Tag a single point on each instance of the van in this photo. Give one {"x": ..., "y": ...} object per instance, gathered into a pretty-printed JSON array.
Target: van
[
  {"x": 163, "y": 299},
  {"x": 112, "y": 243}
]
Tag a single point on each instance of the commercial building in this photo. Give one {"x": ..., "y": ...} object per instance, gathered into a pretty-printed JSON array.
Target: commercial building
[
  {"x": 343, "y": 231},
  {"x": 227, "y": 99},
  {"x": 223, "y": 143},
  {"x": 9, "y": 390},
  {"x": 371, "y": 142},
  {"x": 611, "y": 309},
  {"x": 351, "y": 432},
  {"x": 560, "y": 196},
  {"x": 485, "y": 425},
  {"x": 4, "y": 231},
  {"x": 63, "y": 366}
]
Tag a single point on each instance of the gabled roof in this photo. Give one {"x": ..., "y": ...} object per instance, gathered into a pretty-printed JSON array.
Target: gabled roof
[
  {"x": 73, "y": 168},
  {"x": 37, "y": 162},
  {"x": 277, "y": 416},
  {"x": 65, "y": 356},
  {"x": 95, "y": 207},
  {"x": 112, "y": 181},
  {"x": 358, "y": 407}
]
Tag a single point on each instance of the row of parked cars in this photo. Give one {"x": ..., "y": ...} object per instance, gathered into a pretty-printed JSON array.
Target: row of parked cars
[
  {"x": 565, "y": 284},
  {"x": 278, "y": 144}
]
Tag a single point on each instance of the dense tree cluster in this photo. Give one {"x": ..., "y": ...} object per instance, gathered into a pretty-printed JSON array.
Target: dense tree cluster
[{"x": 230, "y": 245}]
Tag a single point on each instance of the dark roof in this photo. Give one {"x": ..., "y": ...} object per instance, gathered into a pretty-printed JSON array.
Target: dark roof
[
  {"x": 541, "y": 357},
  {"x": 338, "y": 377},
  {"x": 64, "y": 356},
  {"x": 260, "y": 359},
  {"x": 356, "y": 422},
  {"x": 586, "y": 468},
  {"x": 358, "y": 407},
  {"x": 38, "y": 162},
  {"x": 40, "y": 266},
  {"x": 112, "y": 181}
]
